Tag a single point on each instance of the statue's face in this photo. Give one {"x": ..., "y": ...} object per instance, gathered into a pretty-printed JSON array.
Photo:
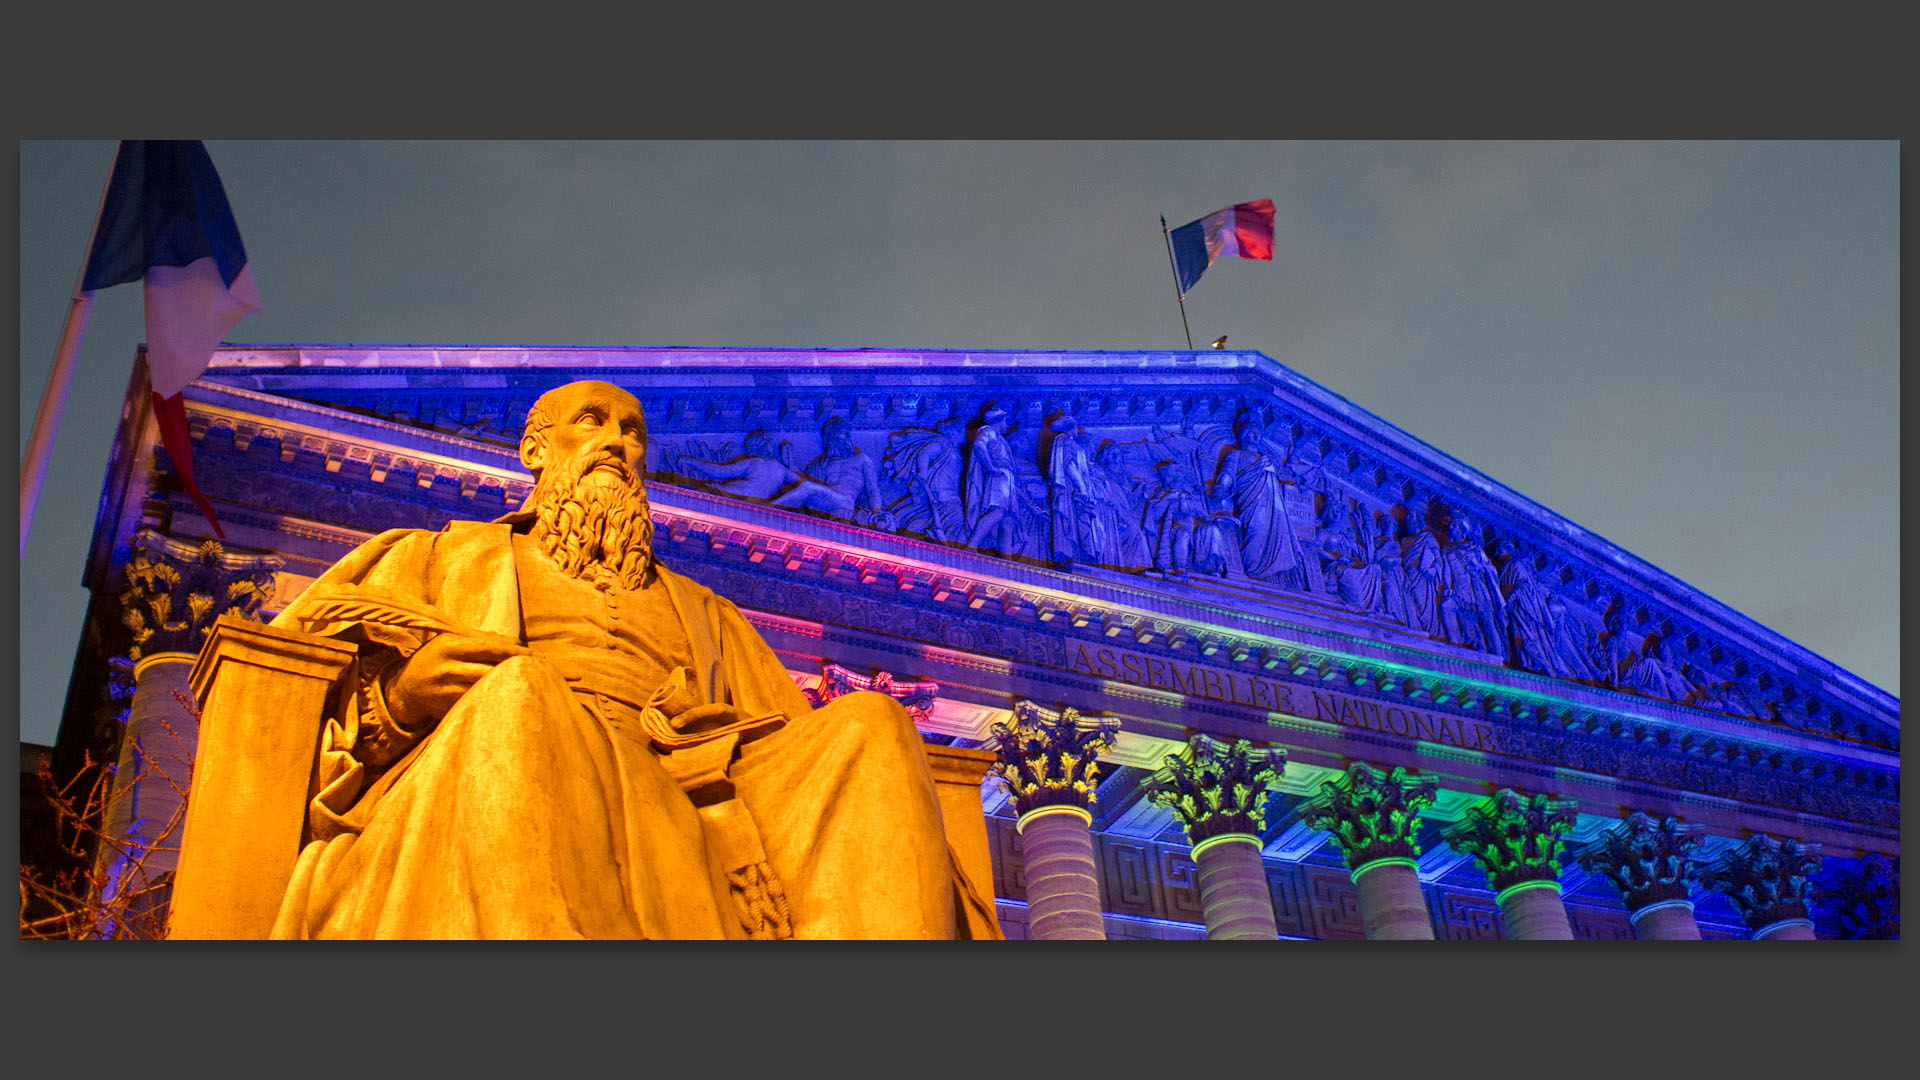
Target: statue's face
[{"x": 598, "y": 422}]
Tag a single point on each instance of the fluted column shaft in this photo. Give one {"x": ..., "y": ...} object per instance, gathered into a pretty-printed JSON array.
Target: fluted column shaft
[
  {"x": 1063, "y": 884},
  {"x": 1666, "y": 920},
  {"x": 1533, "y": 911},
  {"x": 1392, "y": 907},
  {"x": 1233, "y": 889}
]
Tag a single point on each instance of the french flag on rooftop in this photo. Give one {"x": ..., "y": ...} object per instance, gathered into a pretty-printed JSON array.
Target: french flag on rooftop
[
  {"x": 1244, "y": 230},
  {"x": 165, "y": 219}
]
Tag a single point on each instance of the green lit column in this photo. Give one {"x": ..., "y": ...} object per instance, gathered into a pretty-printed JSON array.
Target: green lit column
[
  {"x": 1651, "y": 863},
  {"x": 174, "y": 592},
  {"x": 1048, "y": 761},
  {"x": 1374, "y": 818},
  {"x": 1516, "y": 842},
  {"x": 1219, "y": 792},
  {"x": 1770, "y": 882}
]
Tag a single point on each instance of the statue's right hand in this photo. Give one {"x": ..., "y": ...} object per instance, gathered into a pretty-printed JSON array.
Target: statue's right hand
[{"x": 442, "y": 670}]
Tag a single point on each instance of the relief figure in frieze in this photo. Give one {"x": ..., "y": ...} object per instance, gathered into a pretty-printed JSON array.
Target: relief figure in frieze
[
  {"x": 1081, "y": 531},
  {"x": 1420, "y": 558},
  {"x": 1655, "y": 673},
  {"x": 928, "y": 463},
  {"x": 1541, "y": 637},
  {"x": 992, "y": 494},
  {"x": 1384, "y": 554},
  {"x": 760, "y": 472},
  {"x": 1349, "y": 574},
  {"x": 1115, "y": 489},
  {"x": 843, "y": 480},
  {"x": 1471, "y": 608},
  {"x": 1251, "y": 483},
  {"x": 1187, "y": 534}
]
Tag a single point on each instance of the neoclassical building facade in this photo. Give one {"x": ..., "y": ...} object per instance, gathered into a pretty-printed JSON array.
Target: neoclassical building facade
[{"x": 1246, "y": 661}]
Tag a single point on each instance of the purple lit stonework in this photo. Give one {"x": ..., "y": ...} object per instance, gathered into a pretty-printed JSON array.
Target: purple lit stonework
[{"x": 1187, "y": 551}]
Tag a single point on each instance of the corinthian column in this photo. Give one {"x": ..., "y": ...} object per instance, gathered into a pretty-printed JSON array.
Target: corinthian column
[
  {"x": 1047, "y": 760},
  {"x": 175, "y": 590},
  {"x": 1373, "y": 817},
  {"x": 1219, "y": 792},
  {"x": 1769, "y": 881},
  {"x": 1651, "y": 863},
  {"x": 1866, "y": 899},
  {"x": 1516, "y": 842}
]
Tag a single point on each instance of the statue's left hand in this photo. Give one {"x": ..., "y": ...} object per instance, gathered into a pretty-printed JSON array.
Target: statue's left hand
[{"x": 443, "y": 669}]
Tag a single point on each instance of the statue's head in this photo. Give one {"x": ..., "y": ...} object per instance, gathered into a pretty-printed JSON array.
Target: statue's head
[
  {"x": 596, "y": 424},
  {"x": 837, "y": 436},
  {"x": 760, "y": 444},
  {"x": 586, "y": 445},
  {"x": 996, "y": 418},
  {"x": 1459, "y": 527}
]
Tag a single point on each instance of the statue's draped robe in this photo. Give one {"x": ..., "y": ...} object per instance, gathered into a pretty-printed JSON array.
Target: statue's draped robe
[
  {"x": 535, "y": 808},
  {"x": 1257, "y": 485}
]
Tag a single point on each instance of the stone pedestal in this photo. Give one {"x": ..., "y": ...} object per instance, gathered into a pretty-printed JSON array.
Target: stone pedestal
[
  {"x": 262, "y": 695},
  {"x": 1063, "y": 884},
  {"x": 1533, "y": 911},
  {"x": 1233, "y": 889},
  {"x": 1392, "y": 907},
  {"x": 1666, "y": 920},
  {"x": 957, "y": 773}
]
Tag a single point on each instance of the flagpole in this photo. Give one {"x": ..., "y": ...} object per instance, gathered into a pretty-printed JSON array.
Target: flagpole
[
  {"x": 1178, "y": 295},
  {"x": 46, "y": 421}
]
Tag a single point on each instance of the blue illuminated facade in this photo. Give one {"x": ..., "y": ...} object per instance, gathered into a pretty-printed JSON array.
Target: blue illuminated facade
[{"x": 1191, "y": 542}]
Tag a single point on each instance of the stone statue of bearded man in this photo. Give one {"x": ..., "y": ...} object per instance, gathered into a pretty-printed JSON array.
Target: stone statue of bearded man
[{"x": 548, "y": 734}]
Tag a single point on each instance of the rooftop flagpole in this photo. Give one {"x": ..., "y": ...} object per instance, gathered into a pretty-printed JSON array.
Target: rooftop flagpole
[
  {"x": 1178, "y": 295},
  {"x": 46, "y": 421}
]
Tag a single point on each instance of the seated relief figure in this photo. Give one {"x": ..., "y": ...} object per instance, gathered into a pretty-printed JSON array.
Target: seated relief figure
[{"x": 549, "y": 734}]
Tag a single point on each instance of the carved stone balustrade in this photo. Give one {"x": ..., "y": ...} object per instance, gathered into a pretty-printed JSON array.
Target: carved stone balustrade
[
  {"x": 1219, "y": 792},
  {"x": 1374, "y": 817},
  {"x": 1048, "y": 762}
]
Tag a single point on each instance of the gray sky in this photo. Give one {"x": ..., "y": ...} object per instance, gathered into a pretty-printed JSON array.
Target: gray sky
[{"x": 1691, "y": 349}]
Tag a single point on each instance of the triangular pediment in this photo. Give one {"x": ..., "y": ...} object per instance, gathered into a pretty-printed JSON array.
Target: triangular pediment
[{"x": 1216, "y": 489}]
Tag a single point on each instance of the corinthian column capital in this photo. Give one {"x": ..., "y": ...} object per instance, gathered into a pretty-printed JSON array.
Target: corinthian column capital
[
  {"x": 1373, "y": 815},
  {"x": 1769, "y": 881},
  {"x": 1650, "y": 861},
  {"x": 176, "y": 589},
  {"x": 1217, "y": 789},
  {"x": 1048, "y": 759},
  {"x": 1516, "y": 840}
]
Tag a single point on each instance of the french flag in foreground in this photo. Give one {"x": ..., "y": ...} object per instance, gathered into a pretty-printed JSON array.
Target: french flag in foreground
[
  {"x": 165, "y": 219},
  {"x": 1244, "y": 230}
]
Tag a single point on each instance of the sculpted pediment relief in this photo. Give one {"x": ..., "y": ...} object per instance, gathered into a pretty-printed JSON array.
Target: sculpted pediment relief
[{"x": 1232, "y": 476}]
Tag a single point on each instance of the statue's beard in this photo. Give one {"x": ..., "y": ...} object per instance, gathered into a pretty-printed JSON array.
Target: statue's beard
[{"x": 596, "y": 532}]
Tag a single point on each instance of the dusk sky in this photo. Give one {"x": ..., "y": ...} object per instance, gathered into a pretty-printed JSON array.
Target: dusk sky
[{"x": 1690, "y": 349}]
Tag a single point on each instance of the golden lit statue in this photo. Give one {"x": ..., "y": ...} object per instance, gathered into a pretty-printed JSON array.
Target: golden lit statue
[{"x": 550, "y": 735}]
